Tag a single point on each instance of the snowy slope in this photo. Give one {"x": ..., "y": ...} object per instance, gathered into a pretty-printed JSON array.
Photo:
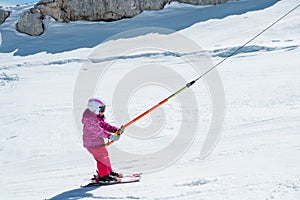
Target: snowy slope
[{"x": 257, "y": 156}]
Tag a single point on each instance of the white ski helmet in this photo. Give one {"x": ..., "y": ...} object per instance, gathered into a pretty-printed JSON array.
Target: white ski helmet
[{"x": 96, "y": 106}]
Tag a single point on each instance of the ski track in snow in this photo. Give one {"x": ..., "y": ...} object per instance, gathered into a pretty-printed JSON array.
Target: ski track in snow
[
  {"x": 195, "y": 183},
  {"x": 285, "y": 187},
  {"x": 256, "y": 157},
  {"x": 222, "y": 53},
  {"x": 6, "y": 79}
]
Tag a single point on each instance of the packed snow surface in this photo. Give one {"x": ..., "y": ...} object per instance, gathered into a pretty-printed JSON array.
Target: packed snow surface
[{"x": 256, "y": 156}]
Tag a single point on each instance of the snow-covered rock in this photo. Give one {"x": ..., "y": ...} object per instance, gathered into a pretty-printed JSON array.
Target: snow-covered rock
[
  {"x": 90, "y": 10},
  {"x": 98, "y": 10},
  {"x": 153, "y": 4},
  {"x": 31, "y": 22},
  {"x": 3, "y": 15}
]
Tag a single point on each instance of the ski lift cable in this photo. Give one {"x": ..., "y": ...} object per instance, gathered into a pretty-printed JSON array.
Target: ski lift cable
[{"x": 202, "y": 75}]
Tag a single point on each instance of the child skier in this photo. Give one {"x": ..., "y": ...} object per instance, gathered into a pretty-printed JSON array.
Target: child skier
[{"x": 95, "y": 129}]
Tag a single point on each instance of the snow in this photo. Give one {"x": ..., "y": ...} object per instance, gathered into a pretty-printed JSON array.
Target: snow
[
  {"x": 16, "y": 2},
  {"x": 257, "y": 155}
]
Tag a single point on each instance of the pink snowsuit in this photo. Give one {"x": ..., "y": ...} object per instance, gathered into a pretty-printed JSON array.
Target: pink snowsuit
[{"x": 95, "y": 129}]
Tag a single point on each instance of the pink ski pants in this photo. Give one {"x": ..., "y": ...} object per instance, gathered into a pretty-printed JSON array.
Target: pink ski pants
[{"x": 103, "y": 161}]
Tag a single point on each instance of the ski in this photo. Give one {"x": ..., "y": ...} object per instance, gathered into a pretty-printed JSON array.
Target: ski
[
  {"x": 125, "y": 179},
  {"x": 132, "y": 175}
]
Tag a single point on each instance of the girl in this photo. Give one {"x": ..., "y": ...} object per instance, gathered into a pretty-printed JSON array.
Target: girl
[{"x": 95, "y": 129}]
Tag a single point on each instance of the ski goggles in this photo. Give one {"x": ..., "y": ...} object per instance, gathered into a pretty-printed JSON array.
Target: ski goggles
[{"x": 102, "y": 109}]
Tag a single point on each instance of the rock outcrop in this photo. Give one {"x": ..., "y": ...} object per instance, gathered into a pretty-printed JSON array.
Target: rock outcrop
[
  {"x": 153, "y": 4},
  {"x": 3, "y": 15},
  {"x": 91, "y": 10},
  {"x": 31, "y": 22},
  {"x": 96, "y": 10},
  {"x": 105, "y": 10}
]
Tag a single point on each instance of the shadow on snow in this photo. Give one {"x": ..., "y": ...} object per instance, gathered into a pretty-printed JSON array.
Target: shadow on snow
[
  {"x": 80, "y": 193},
  {"x": 74, "y": 194}
]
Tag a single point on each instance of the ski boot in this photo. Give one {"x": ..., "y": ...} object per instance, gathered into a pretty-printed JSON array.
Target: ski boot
[
  {"x": 107, "y": 178},
  {"x": 116, "y": 174}
]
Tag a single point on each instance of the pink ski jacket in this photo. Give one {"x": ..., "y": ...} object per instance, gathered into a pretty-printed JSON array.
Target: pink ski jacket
[{"x": 95, "y": 129}]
